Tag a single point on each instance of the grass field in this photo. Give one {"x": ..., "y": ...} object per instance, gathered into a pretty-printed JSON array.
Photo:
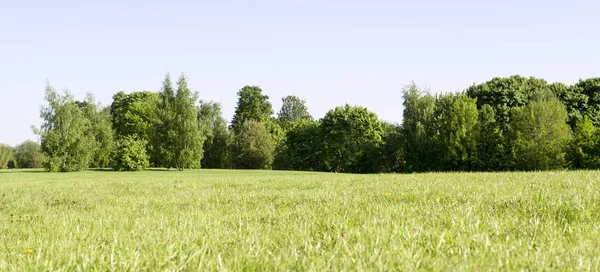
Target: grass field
[{"x": 273, "y": 221}]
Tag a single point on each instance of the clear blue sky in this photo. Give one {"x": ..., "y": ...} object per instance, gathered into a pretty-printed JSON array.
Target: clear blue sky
[{"x": 327, "y": 52}]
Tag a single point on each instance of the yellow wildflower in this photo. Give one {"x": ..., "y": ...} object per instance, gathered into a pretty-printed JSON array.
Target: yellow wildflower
[
  {"x": 388, "y": 194},
  {"x": 28, "y": 251}
]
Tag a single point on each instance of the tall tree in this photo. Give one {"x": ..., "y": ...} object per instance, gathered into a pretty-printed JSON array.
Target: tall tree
[
  {"x": 539, "y": 134},
  {"x": 29, "y": 155},
  {"x": 251, "y": 105},
  {"x": 134, "y": 115},
  {"x": 218, "y": 139},
  {"x": 491, "y": 146},
  {"x": 417, "y": 128},
  {"x": 67, "y": 139},
  {"x": 253, "y": 147},
  {"x": 293, "y": 109},
  {"x": 100, "y": 128},
  {"x": 456, "y": 122},
  {"x": 348, "y": 134},
  {"x": 181, "y": 136}
]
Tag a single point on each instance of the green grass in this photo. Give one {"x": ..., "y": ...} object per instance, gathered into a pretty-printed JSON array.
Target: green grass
[{"x": 272, "y": 221}]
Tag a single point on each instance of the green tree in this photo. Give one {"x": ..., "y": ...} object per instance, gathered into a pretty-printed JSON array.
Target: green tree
[
  {"x": 218, "y": 139},
  {"x": 253, "y": 147},
  {"x": 130, "y": 154},
  {"x": 68, "y": 143},
  {"x": 251, "y": 105},
  {"x": 418, "y": 130},
  {"x": 590, "y": 89},
  {"x": 504, "y": 94},
  {"x": 293, "y": 109},
  {"x": 29, "y": 155},
  {"x": 389, "y": 156},
  {"x": 303, "y": 148},
  {"x": 491, "y": 148},
  {"x": 7, "y": 157},
  {"x": 540, "y": 135},
  {"x": 180, "y": 135},
  {"x": 456, "y": 125},
  {"x": 574, "y": 101},
  {"x": 100, "y": 128},
  {"x": 585, "y": 146},
  {"x": 348, "y": 134},
  {"x": 135, "y": 115}
]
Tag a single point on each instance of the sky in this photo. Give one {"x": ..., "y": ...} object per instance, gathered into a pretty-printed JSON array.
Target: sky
[{"x": 328, "y": 52}]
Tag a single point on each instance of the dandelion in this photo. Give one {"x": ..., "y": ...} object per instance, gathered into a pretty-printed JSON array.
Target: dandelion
[
  {"x": 28, "y": 251},
  {"x": 193, "y": 186},
  {"x": 388, "y": 194},
  {"x": 437, "y": 199}
]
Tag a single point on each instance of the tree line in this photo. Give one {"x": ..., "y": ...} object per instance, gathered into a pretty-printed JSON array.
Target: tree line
[{"x": 512, "y": 123}]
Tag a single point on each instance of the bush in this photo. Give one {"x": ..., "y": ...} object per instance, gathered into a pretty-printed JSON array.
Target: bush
[
  {"x": 130, "y": 155},
  {"x": 253, "y": 147}
]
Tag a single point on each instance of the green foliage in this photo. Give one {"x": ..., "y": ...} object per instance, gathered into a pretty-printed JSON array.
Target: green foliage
[
  {"x": 251, "y": 105},
  {"x": 303, "y": 148},
  {"x": 179, "y": 134},
  {"x": 101, "y": 129},
  {"x": 7, "y": 157},
  {"x": 590, "y": 89},
  {"x": 253, "y": 147},
  {"x": 28, "y": 155},
  {"x": 218, "y": 139},
  {"x": 456, "y": 126},
  {"x": 348, "y": 134},
  {"x": 491, "y": 152},
  {"x": 418, "y": 128},
  {"x": 68, "y": 142},
  {"x": 540, "y": 135},
  {"x": 293, "y": 109},
  {"x": 130, "y": 154},
  {"x": 504, "y": 94},
  {"x": 135, "y": 115},
  {"x": 585, "y": 147}
]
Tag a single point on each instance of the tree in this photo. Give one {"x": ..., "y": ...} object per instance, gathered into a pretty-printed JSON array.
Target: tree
[
  {"x": 216, "y": 146},
  {"x": 491, "y": 148},
  {"x": 130, "y": 154},
  {"x": 253, "y": 147},
  {"x": 7, "y": 157},
  {"x": 539, "y": 134},
  {"x": 456, "y": 125},
  {"x": 251, "y": 105},
  {"x": 418, "y": 130},
  {"x": 68, "y": 143},
  {"x": 135, "y": 115},
  {"x": 303, "y": 148},
  {"x": 179, "y": 132},
  {"x": 590, "y": 89},
  {"x": 573, "y": 99},
  {"x": 292, "y": 110},
  {"x": 348, "y": 133},
  {"x": 29, "y": 155},
  {"x": 100, "y": 128},
  {"x": 504, "y": 94},
  {"x": 585, "y": 147},
  {"x": 389, "y": 156}
]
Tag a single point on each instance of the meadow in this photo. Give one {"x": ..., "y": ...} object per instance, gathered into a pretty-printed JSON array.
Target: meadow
[{"x": 226, "y": 220}]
